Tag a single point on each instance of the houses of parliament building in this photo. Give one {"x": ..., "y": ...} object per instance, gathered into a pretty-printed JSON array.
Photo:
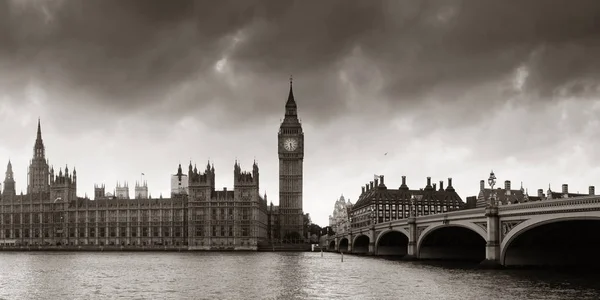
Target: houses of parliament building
[{"x": 195, "y": 217}]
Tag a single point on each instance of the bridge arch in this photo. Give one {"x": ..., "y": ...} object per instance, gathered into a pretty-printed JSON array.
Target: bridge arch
[
  {"x": 344, "y": 246},
  {"x": 561, "y": 251},
  {"x": 360, "y": 244},
  {"x": 331, "y": 245},
  {"x": 400, "y": 230},
  {"x": 454, "y": 241},
  {"x": 392, "y": 242}
]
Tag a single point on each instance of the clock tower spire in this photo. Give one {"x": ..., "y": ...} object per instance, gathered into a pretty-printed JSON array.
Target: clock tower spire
[{"x": 291, "y": 156}]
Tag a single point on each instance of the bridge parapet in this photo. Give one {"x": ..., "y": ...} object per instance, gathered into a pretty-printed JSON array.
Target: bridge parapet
[{"x": 551, "y": 206}]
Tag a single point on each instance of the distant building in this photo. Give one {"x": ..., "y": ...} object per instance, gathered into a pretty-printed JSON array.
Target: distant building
[
  {"x": 378, "y": 204},
  {"x": 274, "y": 223},
  {"x": 179, "y": 183},
  {"x": 122, "y": 191},
  {"x": 565, "y": 193},
  {"x": 339, "y": 221},
  {"x": 507, "y": 195},
  {"x": 471, "y": 202},
  {"x": 141, "y": 190}
]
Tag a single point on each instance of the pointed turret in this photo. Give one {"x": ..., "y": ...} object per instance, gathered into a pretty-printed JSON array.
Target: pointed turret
[
  {"x": 290, "y": 105},
  {"x": 9, "y": 171},
  {"x": 39, "y": 130},
  {"x": 9, "y": 182},
  {"x": 38, "y": 168},
  {"x": 180, "y": 172}
]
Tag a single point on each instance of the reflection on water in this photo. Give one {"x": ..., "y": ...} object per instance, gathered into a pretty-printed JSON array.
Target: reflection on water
[{"x": 39, "y": 275}]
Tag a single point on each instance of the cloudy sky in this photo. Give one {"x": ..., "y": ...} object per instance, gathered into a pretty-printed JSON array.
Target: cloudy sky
[{"x": 445, "y": 88}]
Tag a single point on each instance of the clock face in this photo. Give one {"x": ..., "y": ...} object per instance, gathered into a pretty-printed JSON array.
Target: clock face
[{"x": 290, "y": 144}]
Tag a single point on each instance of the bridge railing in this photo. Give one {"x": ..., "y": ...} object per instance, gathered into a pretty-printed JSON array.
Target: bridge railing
[
  {"x": 583, "y": 200},
  {"x": 456, "y": 213},
  {"x": 452, "y": 214}
]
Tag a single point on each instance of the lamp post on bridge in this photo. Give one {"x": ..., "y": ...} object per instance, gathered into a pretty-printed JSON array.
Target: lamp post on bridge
[
  {"x": 492, "y": 182},
  {"x": 412, "y": 230},
  {"x": 492, "y": 247}
]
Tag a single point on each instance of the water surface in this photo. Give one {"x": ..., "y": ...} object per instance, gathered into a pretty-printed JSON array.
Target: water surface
[{"x": 119, "y": 275}]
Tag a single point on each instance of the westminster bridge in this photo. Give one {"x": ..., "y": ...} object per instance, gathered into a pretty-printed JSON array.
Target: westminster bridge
[{"x": 550, "y": 232}]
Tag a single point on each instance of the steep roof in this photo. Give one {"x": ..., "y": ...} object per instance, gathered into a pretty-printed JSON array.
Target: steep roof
[{"x": 428, "y": 195}]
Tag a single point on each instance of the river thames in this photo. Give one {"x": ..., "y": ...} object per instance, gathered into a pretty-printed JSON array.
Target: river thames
[{"x": 90, "y": 275}]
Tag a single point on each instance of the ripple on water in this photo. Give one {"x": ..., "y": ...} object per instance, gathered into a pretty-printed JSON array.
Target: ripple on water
[{"x": 271, "y": 276}]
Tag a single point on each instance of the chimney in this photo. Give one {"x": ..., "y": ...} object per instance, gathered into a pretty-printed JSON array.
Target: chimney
[
  {"x": 371, "y": 185},
  {"x": 363, "y": 189},
  {"x": 367, "y": 187},
  {"x": 403, "y": 180},
  {"x": 482, "y": 185},
  {"x": 376, "y": 184},
  {"x": 507, "y": 185},
  {"x": 449, "y": 182},
  {"x": 381, "y": 179},
  {"x": 428, "y": 181},
  {"x": 565, "y": 188},
  {"x": 541, "y": 193},
  {"x": 434, "y": 187},
  {"x": 592, "y": 190},
  {"x": 441, "y": 185}
]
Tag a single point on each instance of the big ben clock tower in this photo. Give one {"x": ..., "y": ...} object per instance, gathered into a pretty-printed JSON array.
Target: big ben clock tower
[{"x": 291, "y": 155}]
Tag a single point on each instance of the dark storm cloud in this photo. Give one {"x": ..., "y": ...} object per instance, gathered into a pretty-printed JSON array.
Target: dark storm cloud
[{"x": 133, "y": 54}]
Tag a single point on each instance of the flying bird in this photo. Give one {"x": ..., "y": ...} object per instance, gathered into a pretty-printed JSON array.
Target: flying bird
[{"x": 385, "y": 153}]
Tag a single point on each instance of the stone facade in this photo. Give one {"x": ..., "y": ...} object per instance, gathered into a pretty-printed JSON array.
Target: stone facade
[
  {"x": 51, "y": 214},
  {"x": 339, "y": 221},
  {"x": 378, "y": 204}
]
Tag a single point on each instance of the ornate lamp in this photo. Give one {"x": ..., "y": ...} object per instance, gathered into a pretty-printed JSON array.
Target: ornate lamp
[{"x": 492, "y": 182}]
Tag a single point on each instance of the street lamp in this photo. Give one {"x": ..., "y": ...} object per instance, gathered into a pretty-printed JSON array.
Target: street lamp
[
  {"x": 413, "y": 204},
  {"x": 492, "y": 182}
]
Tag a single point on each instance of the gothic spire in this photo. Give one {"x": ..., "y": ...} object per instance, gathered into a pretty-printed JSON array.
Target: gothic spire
[
  {"x": 290, "y": 105},
  {"x": 38, "y": 149},
  {"x": 39, "y": 130},
  {"x": 9, "y": 172}
]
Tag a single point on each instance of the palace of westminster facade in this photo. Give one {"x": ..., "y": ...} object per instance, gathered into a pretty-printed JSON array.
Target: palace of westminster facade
[{"x": 195, "y": 217}]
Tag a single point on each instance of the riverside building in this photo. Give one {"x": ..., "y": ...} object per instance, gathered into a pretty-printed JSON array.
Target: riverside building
[{"x": 196, "y": 217}]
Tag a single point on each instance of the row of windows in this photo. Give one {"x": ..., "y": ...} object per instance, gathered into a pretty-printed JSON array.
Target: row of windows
[
  {"x": 101, "y": 232},
  {"x": 216, "y": 231}
]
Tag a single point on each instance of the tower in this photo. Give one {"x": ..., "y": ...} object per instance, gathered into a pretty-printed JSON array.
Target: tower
[
  {"x": 141, "y": 190},
  {"x": 122, "y": 191},
  {"x": 201, "y": 185},
  {"x": 179, "y": 183},
  {"x": 64, "y": 186},
  {"x": 9, "y": 183},
  {"x": 291, "y": 156},
  {"x": 39, "y": 176},
  {"x": 99, "y": 191}
]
